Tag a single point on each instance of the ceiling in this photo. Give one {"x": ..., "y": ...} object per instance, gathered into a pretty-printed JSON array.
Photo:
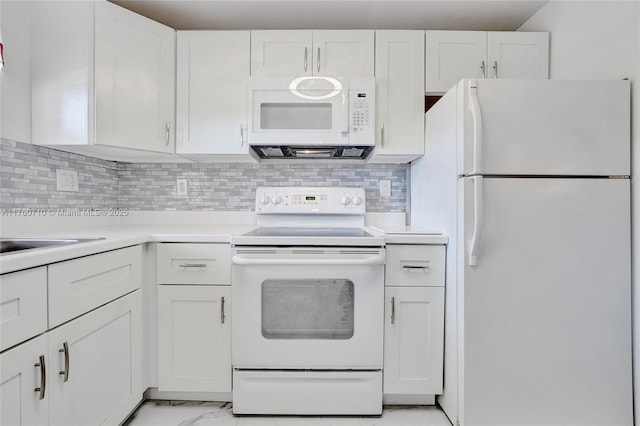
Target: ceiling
[{"x": 336, "y": 14}]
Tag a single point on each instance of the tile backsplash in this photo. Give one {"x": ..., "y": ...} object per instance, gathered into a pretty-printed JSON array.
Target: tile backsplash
[{"x": 28, "y": 180}]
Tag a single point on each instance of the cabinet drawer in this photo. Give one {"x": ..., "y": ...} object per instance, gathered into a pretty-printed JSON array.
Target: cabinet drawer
[
  {"x": 415, "y": 265},
  {"x": 23, "y": 306},
  {"x": 194, "y": 263},
  {"x": 79, "y": 285}
]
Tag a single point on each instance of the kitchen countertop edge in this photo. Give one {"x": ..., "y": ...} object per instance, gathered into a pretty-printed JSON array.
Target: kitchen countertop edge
[
  {"x": 114, "y": 238},
  {"x": 117, "y": 237}
]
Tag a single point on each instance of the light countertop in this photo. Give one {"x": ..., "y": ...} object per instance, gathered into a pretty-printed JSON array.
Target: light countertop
[
  {"x": 119, "y": 236},
  {"x": 115, "y": 237}
]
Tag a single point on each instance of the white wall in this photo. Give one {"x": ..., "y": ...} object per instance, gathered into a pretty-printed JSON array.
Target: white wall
[{"x": 601, "y": 40}]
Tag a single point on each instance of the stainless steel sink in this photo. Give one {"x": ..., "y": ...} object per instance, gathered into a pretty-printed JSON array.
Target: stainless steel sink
[{"x": 20, "y": 245}]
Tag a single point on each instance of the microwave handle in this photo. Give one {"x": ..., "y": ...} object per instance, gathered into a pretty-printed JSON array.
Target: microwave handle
[{"x": 305, "y": 58}]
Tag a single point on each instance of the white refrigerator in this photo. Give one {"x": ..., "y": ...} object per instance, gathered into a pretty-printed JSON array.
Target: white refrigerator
[{"x": 530, "y": 180}]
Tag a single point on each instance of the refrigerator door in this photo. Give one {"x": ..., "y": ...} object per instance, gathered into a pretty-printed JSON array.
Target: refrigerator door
[
  {"x": 544, "y": 127},
  {"x": 545, "y": 315}
]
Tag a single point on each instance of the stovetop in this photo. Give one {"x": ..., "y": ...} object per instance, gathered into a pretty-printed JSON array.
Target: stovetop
[
  {"x": 308, "y": 232},
  {"x": 309, "y": 236}
]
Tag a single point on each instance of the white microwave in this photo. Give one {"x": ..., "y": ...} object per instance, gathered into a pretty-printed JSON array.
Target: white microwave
[{"x": 311, "y": 117}]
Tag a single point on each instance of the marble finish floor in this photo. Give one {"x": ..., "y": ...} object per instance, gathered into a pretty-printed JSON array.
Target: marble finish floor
[{"x": 194, "y": 413}]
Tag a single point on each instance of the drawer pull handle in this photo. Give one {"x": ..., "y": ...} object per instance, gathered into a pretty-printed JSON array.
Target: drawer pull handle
[
  {"x": 222, "y": 315},
  {"x": 43, "y": 378},
  {"x": 65, "y": 372},
  {"x": 193, "y": 265},
  {"x": 415, "y": 267}
]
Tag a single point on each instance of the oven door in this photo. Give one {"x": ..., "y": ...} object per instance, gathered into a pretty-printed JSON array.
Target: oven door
[{"x": 307, "y": 308}]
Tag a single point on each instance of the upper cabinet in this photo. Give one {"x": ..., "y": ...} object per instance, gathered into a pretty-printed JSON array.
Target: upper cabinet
[
  {"x": 211, "y": 100},
  {"x": 15, "y": 78},
  {"x": 337, "y": 53},
  {"x": 518, "y": 55},
  {"x": 399, "y": 96},
  {"x": 103, "y": 79},
  {"x": 453, "y": 55}
]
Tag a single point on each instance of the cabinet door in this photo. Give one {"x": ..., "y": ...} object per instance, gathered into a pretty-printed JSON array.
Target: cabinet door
[
  {"x": 400, "y": 95},
  {"x": 343, "y": 53},
  {"x": 518, "y": 55},
  {"x": 194, "y": 338},
  {"x": 281, "y": 53},
  {"x": 61, "y": 72},
  {"x": 15, "y": 78},
  {"x": 20, "y": 374},
  {"x": 413, "y": 340},
  {"x": 102, "y": 363},
  {"x": 134, "y": 78},
  {"x": 454, "y": 55},
  {"x": 212, "y": 78}
]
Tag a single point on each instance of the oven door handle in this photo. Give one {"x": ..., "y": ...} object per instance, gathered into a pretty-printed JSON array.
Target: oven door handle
[{"x": 368, "y": 261}]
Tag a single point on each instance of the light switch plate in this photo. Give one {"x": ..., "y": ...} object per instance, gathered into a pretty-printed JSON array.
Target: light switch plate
[{"x": 66, "y": 180}]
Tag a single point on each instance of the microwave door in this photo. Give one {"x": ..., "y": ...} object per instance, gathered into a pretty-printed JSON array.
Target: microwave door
[{"x": 282, "y": 117}]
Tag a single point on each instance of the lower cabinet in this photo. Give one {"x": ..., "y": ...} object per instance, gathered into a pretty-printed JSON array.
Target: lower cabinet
[
  {"x": 414, "y": 327},
  {"x": 96, "y": 365},
  {"x": 194, "y": 338},
  {"x": 85, "y": 372},
  {"x": 24, "y": 396}
]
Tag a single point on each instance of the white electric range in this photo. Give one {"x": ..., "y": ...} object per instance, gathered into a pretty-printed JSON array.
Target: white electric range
[{"x": 308, "y": 299}]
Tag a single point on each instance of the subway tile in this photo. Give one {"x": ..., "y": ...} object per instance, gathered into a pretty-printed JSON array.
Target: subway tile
[{"x": 146, "y": 186}]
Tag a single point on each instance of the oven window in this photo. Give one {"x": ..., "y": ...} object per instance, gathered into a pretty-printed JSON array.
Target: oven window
[
  {"x": 307, "y": 309},
  {"x": 295, "y": 116}
]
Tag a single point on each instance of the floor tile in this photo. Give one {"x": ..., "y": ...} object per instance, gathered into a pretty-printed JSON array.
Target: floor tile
[{"x": 194, "y": 413}]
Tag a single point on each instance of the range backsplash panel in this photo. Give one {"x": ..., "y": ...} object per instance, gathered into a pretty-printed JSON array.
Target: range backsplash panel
[{"x": 28, "y": 180}]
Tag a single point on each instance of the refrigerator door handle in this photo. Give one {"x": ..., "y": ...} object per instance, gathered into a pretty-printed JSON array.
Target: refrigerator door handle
[
  {"x": 477, "y": 220},
  {"x": 476, "y": 116}
]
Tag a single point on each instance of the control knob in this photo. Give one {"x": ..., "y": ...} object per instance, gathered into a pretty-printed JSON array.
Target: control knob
[
  {"x": 356, "y": 201},
  {"x": 264, "y": 200},
  {"x": 276, "y": 199},
  {"x": 345, "y": 200}
]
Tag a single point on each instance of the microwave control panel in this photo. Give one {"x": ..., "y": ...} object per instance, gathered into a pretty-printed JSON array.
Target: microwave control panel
[{"x": 362, "y": 114}]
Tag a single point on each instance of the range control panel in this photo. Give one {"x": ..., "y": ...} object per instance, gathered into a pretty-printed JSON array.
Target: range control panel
[{"x": 310, "y": 200}]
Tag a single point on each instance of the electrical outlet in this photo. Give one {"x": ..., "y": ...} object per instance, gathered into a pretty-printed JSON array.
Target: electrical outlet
[
  {"x": 66, "y": 180},
  {"x": 385, "y": 188},
  {"x": 182, "y": 187}
]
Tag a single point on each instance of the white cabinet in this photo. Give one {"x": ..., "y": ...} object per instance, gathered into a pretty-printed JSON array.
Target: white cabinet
[
  {"x": 103, "y": 79},
  {"x": 24, "y": 396},
  {"x": 413, "y": 332},
  {"x": 400, "y": 96},
  {"x": 15, "y": 78},
  {"x": 336, "y": 53},
  {"x": 192, "y": 263},
  {"x": 95, "y": 365},
  {"x": 211, "y": 96},
  {"x": 194, "y": 338},
  {"x": 85, "y": 371},
  {"x": 79, "y": 285},
  {"x": 453, "y": 55},
  {"x": 194, "y": 317},
  {"x": 414, "y": 320},
  {"x": 23, "y": 306},
  {"x": 518, "y": 54}
]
